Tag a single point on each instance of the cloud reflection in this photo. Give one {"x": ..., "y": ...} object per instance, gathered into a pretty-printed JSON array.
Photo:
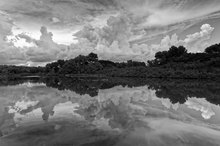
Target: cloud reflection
[{"x": 133, "y": 114}]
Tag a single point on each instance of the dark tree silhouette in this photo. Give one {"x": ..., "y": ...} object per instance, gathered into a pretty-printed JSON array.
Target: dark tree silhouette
[{"x": 213, "y": 49}]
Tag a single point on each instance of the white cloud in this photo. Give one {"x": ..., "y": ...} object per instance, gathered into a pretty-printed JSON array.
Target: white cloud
[
  {"x": 42, "y": 50},
  {"x": 74, "y": 14},
  {"x": 165, "y": 12},
  {"x": 8, "y": 53},
  {"x": 46, "y": 49},
  {"x": 195, "y": 42},
  {"x": 112, "y": 41},
  {"x": 198, "y": 41},
  {"x": 109, "y": 28}
]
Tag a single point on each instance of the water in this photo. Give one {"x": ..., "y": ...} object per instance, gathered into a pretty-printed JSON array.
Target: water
[{"x": 109, "y": 112}]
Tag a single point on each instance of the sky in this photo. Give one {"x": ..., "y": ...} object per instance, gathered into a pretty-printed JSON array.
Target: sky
[{"x": 35, "y": 32}]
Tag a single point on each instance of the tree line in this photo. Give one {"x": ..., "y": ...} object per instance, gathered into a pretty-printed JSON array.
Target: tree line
[
  {"x": 177, "y": 62},
  {"x": 89, "y": 64}
]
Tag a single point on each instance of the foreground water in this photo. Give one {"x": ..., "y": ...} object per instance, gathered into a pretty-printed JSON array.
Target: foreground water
[{"x": 109, "y": 112}]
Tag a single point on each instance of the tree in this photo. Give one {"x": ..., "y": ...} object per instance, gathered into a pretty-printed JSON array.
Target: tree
[
  {"x": 160, "y": 55},
  {"x": 69, "y": 67},
  {"x": 213, "y": 49},
  {"x": 168, "y": 56},
  {"x": 93, "y": 57},
  {"x": 60, "y": 63},
  {"x": 107, "y": 63},
  {"x": 177, "y": 51}
]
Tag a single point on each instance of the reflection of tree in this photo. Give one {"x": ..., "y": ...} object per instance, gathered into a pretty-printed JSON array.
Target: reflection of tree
[
  {"x": 91, "y": 86},
  {"x": 178, "y": 91},
  {"x": 16, "y": 81},
  {"x": 120, "y": 115},
  {"x": 47, "y": 111},
  {"x": 77, "y": 85}
]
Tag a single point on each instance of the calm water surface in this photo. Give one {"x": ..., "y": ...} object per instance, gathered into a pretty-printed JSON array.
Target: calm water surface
[{"x": 109, "y": 112}]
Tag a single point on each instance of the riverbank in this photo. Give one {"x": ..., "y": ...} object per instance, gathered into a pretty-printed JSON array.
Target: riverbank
[
  {"x": 176, "y": 63},
  {"x": 136, "y": 72}
]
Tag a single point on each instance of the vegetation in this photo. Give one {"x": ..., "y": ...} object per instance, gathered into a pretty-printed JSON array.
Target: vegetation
[
  {"x": 177, "y": 63},
  {"x": 89, "y": 65},
  {"x": 177, "y": 91},
  {"x": 174, "y": 63}
]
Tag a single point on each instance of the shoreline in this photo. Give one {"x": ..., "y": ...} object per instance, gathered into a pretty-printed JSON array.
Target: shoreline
[{"x": 21, "y": 76}]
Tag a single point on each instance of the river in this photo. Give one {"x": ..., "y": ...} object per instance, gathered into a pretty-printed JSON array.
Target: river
[{"x": 109, "y": 112}]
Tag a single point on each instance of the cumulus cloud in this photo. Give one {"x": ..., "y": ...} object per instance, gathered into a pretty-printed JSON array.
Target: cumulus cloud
[
  {"x": 73, "y": 14},
  {"x": 8, "y": 53},
  {"x": 195, "y": 42},
  {"x": 44, "y": 49},
  {"x": 113, "y": 41},
  {"x": 36, "y": 52},
  {"x": 198, "y": 41},
  {"x": 27, "y": 38},
  {"x": 109, "y": 28},
  {"x": 110, "y": 42}
]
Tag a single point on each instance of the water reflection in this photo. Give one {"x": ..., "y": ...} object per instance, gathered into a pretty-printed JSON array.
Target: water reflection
[{"x": 48, "y": 112}]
